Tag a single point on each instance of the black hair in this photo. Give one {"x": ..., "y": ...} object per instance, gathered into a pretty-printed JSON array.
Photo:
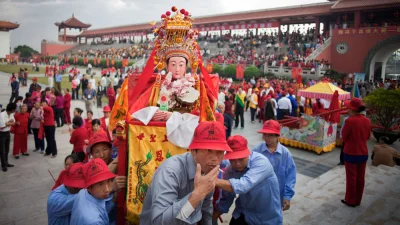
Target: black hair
[
  {"x": 28, "y": 95},
  {"x": 79, "y": 110},
  {"x": 57, "y": 93},
  {"x": 385, "y": 139},
  {"x": 361, "y": 108},
  {"x": 182, "y": 57},
  {"x": 47, "y": 89},
  {"x": 77, "y": 121},
  {"x": 67, "y": 89},
  {"x": 96, "y": 121},
  {"x": 90, "y": 111},
  {"x": 19, "y": 98},
  {"x": 44, "y": 100},
  {"x": 73, "y": 157},
  {"x": 11, "y": 107}
]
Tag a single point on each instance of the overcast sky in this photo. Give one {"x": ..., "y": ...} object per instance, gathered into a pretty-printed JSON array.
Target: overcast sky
[{"x": 37, "y": 17}]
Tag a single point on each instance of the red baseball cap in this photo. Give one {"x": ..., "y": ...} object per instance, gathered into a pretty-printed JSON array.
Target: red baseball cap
[
  {"x": 283, "y": 93},
  {"x": 271, "y": 127},
  {"x": 238, "y": 144},
  {"x": 106, "y": 108},
  {"x": 34, "y": 79},
  {"x": 74, "y": 176},
  {"x": 291, "y": 91},
  {"x": 96, "y": 171},
  {"x": 354, "y": 104},
  {"x": 97, "y": 138},
  {"x": 210, "y": 135}
]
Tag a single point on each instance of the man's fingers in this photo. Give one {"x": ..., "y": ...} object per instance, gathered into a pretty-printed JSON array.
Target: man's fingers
[
  {"x": 198, "y": 170},
  {"x": 214, "y": 172}
]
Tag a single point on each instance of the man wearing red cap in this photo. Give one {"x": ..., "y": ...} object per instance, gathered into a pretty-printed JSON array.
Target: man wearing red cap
[
  {"x": 281, "y": 160},
  {"x": 105, "y": 121},
  {"x": 252, "y": 177},
  {"x": 34, "y": 85},
  {"x": 182, "y": 187},
  {"x": 61, "y": 199},
  {"x": 92, "y": 204},
  {"x": 100, "y": 147}
]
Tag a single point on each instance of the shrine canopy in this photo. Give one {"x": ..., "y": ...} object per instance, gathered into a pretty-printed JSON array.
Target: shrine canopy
[
  {"x": 72, "y": 23},
  {"x": 324, "y": 90}
]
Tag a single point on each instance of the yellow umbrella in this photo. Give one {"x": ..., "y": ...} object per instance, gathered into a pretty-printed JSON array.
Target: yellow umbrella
[{"x": 324, "y": 90}]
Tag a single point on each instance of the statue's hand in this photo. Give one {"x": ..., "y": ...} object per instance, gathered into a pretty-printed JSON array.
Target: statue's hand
[{"x": 161, "y": 116}]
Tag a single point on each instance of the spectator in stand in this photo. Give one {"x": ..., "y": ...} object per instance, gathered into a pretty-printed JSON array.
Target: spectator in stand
[
  {"x": 78, "y": 137},
  {"x": 59, "y": 108},
  {"x": 36, "y": 116},
  {"x": 21, "y": 132},
  {"x": 49, "y": 129},
  {"x": 67, "y": 107}
]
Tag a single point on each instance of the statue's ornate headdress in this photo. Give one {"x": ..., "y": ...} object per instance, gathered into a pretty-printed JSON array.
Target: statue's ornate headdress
[{"x": 176, "y": 37}]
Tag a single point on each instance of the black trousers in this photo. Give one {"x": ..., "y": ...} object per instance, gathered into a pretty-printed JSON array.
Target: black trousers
[
  {"x": 283, "y": 113},
  {"x": 39, "y": 144},
  {"x": 239, "y": 110},
  {"x": 50, "y": 133},
  {"x": 14, "y": 95},
  {"x": 252, "y": 113},
  {"x": 4, "y": 147},
  {"x": 239, "y": 221},
  {"x": 98, "y": 99},
  {"x": 59, "y": 116}
]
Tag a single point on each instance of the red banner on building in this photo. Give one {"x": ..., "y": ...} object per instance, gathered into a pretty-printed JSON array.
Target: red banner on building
[{"x": 367, "y": 31}]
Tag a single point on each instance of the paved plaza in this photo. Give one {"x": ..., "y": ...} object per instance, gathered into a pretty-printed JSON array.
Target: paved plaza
[{"x": 320, "y": 183}]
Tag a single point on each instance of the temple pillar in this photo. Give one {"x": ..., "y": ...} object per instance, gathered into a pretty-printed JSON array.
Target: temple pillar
[
  {"x": 317, "y": 28},
  {"x": 357, "y": 19},
  {"x": 65, "y": 35}
]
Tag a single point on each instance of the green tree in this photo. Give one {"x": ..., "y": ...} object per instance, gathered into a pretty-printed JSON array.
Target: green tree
[
  {"x": 251, "y": 71},
  {"x": 230, "y": 71},
  {"x": 25, "y": 51},
  {"x": 218, "y": 69}
]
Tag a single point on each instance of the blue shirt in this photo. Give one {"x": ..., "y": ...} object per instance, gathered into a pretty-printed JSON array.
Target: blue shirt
[
  {"x": 59, "y": 206},
  {"x": 88, "y": 210},
  {"x": 258, "y": 189},
  {"x": 284, "y": 168},
  {"x": 170, "y": 189},
  {"x": 58, "y": 78}
]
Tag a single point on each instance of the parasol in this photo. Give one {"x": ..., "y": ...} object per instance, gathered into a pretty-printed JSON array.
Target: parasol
[
  {"x": 324, "y": 90},
  {"x": 334, "y": 116}
]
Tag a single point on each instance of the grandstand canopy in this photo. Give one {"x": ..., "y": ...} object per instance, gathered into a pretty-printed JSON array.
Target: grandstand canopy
[{"x": 72, "y": 23}]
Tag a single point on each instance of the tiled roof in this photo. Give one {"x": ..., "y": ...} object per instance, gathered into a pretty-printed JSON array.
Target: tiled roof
[
  {"x": 8, "y": 25},
  {"x": 348, "y": 4},
  {"x": 73, "y": 23}
]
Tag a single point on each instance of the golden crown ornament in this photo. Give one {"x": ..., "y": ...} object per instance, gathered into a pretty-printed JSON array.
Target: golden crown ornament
[{"x": 176, "y": 37}]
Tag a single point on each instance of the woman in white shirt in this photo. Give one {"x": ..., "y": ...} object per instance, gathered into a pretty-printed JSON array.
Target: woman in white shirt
[{"x": 92, "y": 82}]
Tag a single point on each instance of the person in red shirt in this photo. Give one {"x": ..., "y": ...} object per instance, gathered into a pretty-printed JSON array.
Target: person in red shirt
[
  {"x": 88, "y": 120},
  {"x": 67, "y": 107},
  {"x": 105, "y": 120},
  {"x": 78, "y": 137},
  {"x": 49, "y": 129},
  {"x": 21, "y": 132},
  {"x": 110, "y": 95},
  {"x": 355, "y": 133},
  {"x": 318, "y": 107}
]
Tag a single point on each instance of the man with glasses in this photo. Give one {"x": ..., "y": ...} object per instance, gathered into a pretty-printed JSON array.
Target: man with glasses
[{"x": 280, "y": 158}]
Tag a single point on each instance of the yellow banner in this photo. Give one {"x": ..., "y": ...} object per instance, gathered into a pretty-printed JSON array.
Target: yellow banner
[{"x": 148, "y": 148}]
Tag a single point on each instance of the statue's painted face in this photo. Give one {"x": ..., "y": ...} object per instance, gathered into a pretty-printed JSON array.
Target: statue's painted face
[{"x": 177, "y": 66}]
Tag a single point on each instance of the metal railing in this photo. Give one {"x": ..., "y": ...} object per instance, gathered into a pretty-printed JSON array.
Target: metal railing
[{"x": 319, "y": 50}]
